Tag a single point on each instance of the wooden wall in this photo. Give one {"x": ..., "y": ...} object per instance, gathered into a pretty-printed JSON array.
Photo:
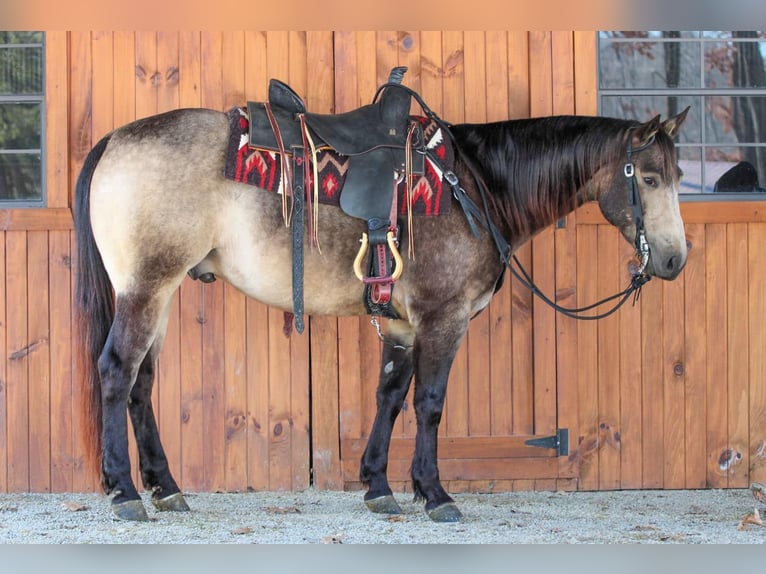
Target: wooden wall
[{"x": 661, "y": 395}]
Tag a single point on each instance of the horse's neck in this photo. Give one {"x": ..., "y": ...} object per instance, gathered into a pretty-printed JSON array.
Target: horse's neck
[{"x": 542, "y": 169}]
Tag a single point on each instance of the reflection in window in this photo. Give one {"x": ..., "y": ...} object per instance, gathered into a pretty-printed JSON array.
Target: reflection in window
[
  {"x": 22, "y": 94},
  {"x": 721, "y": 75}
]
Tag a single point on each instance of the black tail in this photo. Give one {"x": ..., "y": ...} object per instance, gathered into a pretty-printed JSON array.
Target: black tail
[{"x": 94, "y": 308}]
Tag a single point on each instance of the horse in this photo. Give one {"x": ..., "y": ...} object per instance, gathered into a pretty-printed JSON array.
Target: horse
[{"x": 148, "y": 211}]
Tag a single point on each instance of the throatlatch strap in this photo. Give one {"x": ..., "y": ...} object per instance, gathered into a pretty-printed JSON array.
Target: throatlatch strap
[{"x": 297, "y": 227}]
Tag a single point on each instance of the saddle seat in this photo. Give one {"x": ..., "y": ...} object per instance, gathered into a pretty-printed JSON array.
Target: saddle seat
[{"x": 374, "y": 137}]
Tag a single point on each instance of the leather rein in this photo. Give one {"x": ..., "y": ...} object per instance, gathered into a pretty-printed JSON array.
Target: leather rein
[{"x": 473, "y": 213}]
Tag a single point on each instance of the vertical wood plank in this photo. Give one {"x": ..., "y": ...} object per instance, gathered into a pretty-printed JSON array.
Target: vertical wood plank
[
  {"x": 455, "y": 420},
  {"x": 565, "y": 242},
  {"x": 522, "y": 381},
  {"x": 256, "y": 87},
  {"x": 518, "y": 75},
  {"x": 168, "y": 70},
  {"x": 124, "y": 70},
  {"x": 3, "y": 370},
  {"x": 630, "y": 365},
  {"x": 80, "y": 137},
  {"x": 61, "y": 403},
  {"x": 586, "y": 68},
  {"x": 738, "y": 355},
  {"x": 695, "y": 345},
  {"x": 102, "y": 104},
  {"x": 235, "y": 389},
  {"x": 608, "y": 363},
  {"x": 673, "y": 383},
  {"x": 192, "y": 405},
  {"x": 757, "y": 341},
  {"x": 308, "y": 52},
  {"x": 190, "y": 302},
  {"x": 499, "y": 313},
  {"x": 80, "y": 72},
  {"x": 278, "y": 45},
  {"x": 324, "y": 331},
  {"x": 38, "y": 312},
  {"x": 586, "y": 453},
  {"x": 351, "y": 386},
  {"x": 716, "y": 354},
  {"x": 477, "y": 341},
  {"x": 651, "y": 386},
  {"x": 17, "y": 351},
  {"x": 167, "y": 385},
  {"x": 324, "y": 404},
  {"x": 235, "y": 307},
  {"x": 56, "y": 119},
  {"x": 147, "y": 77},
  {"x": 543, "y": 249}
]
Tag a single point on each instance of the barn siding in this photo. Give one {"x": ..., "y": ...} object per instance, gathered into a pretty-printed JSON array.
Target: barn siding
[{"x": 656, "y": 396}]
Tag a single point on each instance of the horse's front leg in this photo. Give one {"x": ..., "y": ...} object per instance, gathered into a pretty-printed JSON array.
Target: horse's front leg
[
  {"x": 394, "y": 382},
  {"x": 436, "y": 344}
]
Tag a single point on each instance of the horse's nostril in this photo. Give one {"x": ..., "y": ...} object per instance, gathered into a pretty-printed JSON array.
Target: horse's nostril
[{"x": 672, "y": 264}]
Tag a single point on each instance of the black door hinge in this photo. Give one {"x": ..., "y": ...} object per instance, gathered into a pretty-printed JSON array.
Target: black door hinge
[{"x": 559, "y": 441}]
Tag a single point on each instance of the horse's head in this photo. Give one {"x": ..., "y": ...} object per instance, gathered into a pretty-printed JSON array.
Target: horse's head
[{"x": 649, "y": 172}]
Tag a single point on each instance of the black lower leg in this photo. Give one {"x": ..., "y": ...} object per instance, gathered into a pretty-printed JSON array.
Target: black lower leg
[
  {"x": 394, "y": 382},
  {"x": 153, "y": 463}
]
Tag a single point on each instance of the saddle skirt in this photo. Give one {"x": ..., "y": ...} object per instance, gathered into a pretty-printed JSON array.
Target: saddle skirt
[{"x": 263, "y": 167}]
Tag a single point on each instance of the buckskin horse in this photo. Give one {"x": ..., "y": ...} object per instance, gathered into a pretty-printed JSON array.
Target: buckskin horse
[{"x": 152, "y": 204}]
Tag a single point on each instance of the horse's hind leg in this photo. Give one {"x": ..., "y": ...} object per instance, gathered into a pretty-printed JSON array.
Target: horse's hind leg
[
  {"x": 155, "y": 472},
  {"x": 138, "y": 318},
  {"x": 393, "y": 384}
]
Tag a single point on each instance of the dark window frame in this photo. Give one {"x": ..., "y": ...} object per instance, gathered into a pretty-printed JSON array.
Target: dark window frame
[{"x": 38, "y": 99}]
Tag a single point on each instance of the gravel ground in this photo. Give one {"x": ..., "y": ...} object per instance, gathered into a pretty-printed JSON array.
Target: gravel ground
[{"x": 322, "y": 517}]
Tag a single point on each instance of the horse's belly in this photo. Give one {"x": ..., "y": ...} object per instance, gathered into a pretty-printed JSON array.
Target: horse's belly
[{"x": 264, "y": 271}]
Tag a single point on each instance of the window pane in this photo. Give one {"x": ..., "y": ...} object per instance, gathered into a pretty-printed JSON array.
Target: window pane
[
  {"x": 21, "y": 70},
  {"x": 20, "y": 177},
  {"x": 735, "y": 65},
  {"x": 643, "y": 108},
  {"x": 735, "y": 119},
  {"x": 7, "y": 37},
  {"x": 20, "y": 126},
  {"x": 690, "y": 162},
  {"x": 649, "y": 64}
]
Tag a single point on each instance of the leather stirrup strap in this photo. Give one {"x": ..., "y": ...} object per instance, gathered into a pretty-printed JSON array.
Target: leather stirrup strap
[{"x": 297, "y": 229}]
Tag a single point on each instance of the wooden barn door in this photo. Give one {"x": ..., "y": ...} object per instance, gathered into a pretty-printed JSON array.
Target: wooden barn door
[{"x": 511, "y": 405}]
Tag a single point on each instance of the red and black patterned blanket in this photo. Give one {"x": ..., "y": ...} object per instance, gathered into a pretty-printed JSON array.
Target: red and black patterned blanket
[{"x": 263, "y": 168}]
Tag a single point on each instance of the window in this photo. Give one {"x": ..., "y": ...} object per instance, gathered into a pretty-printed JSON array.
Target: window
[
  {"x": 22, "y": 119},
  {"x": 721, "y": 75}
]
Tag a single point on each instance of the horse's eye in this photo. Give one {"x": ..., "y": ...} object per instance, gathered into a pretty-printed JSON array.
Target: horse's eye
[{"x": 650, "y": 181}]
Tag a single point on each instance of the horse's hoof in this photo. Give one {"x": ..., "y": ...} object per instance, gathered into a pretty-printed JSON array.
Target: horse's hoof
[
  {"x": 174, "y": 503},
  {"x": 384, "y": 505},
  {"x": 447, "y": 512},
  {"x": 130, "y": 510}
]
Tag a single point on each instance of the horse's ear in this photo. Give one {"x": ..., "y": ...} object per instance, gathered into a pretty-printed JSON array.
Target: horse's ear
[
  {"x": 645, "y": 132},
  {"x": 672, "y": 125}
]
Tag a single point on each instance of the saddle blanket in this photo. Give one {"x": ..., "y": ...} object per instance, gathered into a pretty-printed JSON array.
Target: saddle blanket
[{"x": 430, "y": 195}]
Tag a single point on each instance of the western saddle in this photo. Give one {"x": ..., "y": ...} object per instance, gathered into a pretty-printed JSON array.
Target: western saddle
[{"x": 382, "y": 146}]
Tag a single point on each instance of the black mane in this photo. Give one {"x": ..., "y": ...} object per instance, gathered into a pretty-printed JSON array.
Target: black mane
[{"x": 534, "y": 168}]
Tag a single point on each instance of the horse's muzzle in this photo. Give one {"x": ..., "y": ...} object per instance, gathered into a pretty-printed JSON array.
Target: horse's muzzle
[{"x": 667, "y": 266}]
